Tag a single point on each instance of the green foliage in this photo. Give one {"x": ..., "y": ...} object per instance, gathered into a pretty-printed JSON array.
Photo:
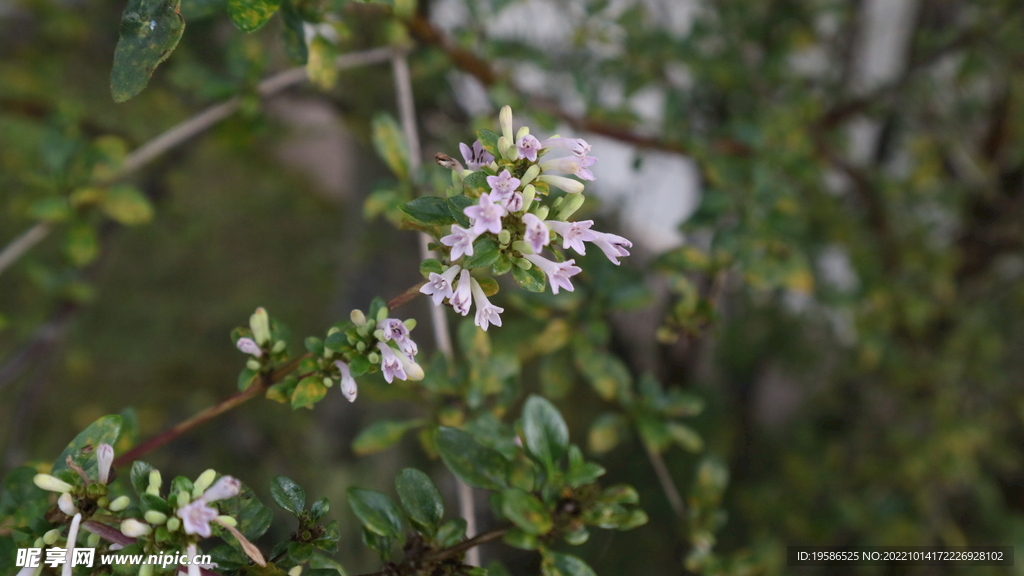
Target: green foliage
[
  {"x": 150, "y": 30},
  {"x": 106, "y": 430},
  {"x": 381, "y": 435},
  {"x": 420, "y": 499},
  {"x": 377, "y": 512},
  {"x": 250, "y": 15}
]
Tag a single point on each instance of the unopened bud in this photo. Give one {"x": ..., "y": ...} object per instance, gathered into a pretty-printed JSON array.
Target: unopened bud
[
  {"x": 522, "y": 132},
  {"x": 446, "y": 161},
  {"x": 183, "y": 499},
  {"x": 570, "y": 206},
  {"x": 504, "y": 237},
  {"x": 173, "y": 523},
  {"x": 119, "y": 503},
  {"x": 227, "y": 521},
  {"x": 259, "y": 323},
  {"x": 357, "y": 317},
  {"x": 154, "y": 517},
  {"x": 523, "y": 247},
  {"x": 104, "y": 459},
  {"x": 528, "y": 195},
  {"x": 253, "y": 364},
  {"x": 528, "y": 176},
  {"x": 102, "y": 502},
  {"x": 51, "y": 483},
  {"x": 410, "y": 323},
  {"x": 504, "y": 147},
  {"x": 361, "y": 346},
  {"x": 542, "y": 212},
  {"x": 134, "y": 529},
  {"x": 67, "y": 504},
  {"x": 379, "y": 335},
  {"x": 146, "y": 570},
  {"x": 505, "y": 121},
  {"x": 524, "y": 263},
  {"x": 226, "y": 487},
  {"x": 39, "y": 543},
  {"x": 328, "y": 382},
  {"x": 51, "y": 536},
  {"x": 295, "y": 571},
  {"x": 204, "y": 481},
  {"x": 279, "y": 347},
  {"x": 373, "y": 358},
  {"x": 155, "y": 483}
]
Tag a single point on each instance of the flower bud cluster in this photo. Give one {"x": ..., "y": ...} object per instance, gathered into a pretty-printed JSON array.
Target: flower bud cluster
[
  {"x": 262, "y": 341},
  {"x": 517, "y": 211}
]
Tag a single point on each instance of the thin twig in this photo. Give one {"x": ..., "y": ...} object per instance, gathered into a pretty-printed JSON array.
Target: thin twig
[
  {"x": 668, "y": 486},
  {"x": 184, "y": 131},
  {"x": 439, "y": 321}
]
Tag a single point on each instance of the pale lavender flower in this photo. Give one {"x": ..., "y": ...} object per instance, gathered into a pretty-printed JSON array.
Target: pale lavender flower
[
  {"x": 576, "y": 165},
  {"x": 502, "y": 185},
  {"x": 574, "y": 234},
  {"x": 249, "y": 346},
  {"x": 486, "y": 216},
  {"x": 460, "y": 240},
  {"x": 224, "y": 488},
  {"x": 475, "y": 157},
  {"x": 486, "y": 313},
  {"x": 390, "y": 364},
  {"x": 558, "y": 273},
  {"x": 395, "y": 329},
  {"x": 462, "y": 298},
  {"x": 348, "y": 383},
  {"x": 439, "y": 286},
  {"x": 577, "y": 146},
  {"x": 196, "y": 518},
  {"x": 537, "y": 234},
  {"x": 104, "y": 459},
  {"x": 612, "y": 245},
  {"x": 528, "y": 147}
]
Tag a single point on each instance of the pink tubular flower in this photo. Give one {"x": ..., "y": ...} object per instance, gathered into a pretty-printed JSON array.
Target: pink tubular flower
[
  {"x": 528, "y": 147},
  {"x": 460, "y": 240},
  {"x": 439, "y": 286},
  {"x": 486, "y": 313},
  {"x": 558, "y": 273},
  {"x": 225, "y": 487},
  {"x": 502, "y": 185},
  {"x": 475, "y": 157},
  {"x": 394, "y": 329},
  {"x": 578, "y": 166},
  {"x": 462, "y": 298},
  {"x": 612, "y": 245},
  {"x": 574, "y": 234},
  {"x": 537, "y": 234},
  {"x": 348, "y": 383},
  {"x": 104, "y": 459},
  {"x": 196, "y": 518},
  {"x": 390, "y": 364},
  {"x": 485, "y": 216},
  {"x": 249, "y": 346},
  {"x": 577, "y": 146},
  {"x": 514, "y": 203}
]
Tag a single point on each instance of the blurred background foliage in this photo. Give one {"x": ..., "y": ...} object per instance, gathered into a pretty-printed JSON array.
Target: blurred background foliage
[{"x": 846, "y": 298}]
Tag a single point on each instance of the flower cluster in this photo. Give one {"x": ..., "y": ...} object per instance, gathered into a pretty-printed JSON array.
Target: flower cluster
[
  {"x": 511, "y": 213},
  {"x": 350, "y": 349}
]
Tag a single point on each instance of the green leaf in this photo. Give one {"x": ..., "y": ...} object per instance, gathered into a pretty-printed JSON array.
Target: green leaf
[
  {"x": 288, "y": 494},
  {"x": 430, "y": 265},
  {"x": 127, "y": 205},
  {"x": 382, "y": 545},
  {"x": 51, "y": 209},
  {"x": 359, "y": 366},
  {"x": 456, "y": 205},
  {"x": 558, "y": 564},
  {"x": 681, "y": 404},
  {"x": 293, "y": 33},
  {"x": 503, "y": 265},
  {"x": 532, "y": 279},
  {"x": 309, "y": 391},
  {"x": 150, "y": 29},
  {"x": 430, "y": 210},
  {"x": 519, "y": 538},
  {"x": 475, "y": 464},
  {"x": 420, "y": 498},
  {"x": 389, "y": 141},
  {"x": 82, "y": 247},
  {"x": 687, "y": 438},
  {"x": 253, "y": 517},
  {"x": 321, "y": 562},
  {"x": 485, "y": 253},
  {"x": 20, "y": 498},
  {"x": 526, "y": 511},
  {"x": 474, "y": 186},
  {"x": 140, "y": 476},
  {"x": 250, "y": 15},
  {"x": 377, "y": 512},
  {"x": 489, "y": 141},
  {"x": 381, "y": 435},
  {"x": 451, "y": 533},
  {"x": 314, "y": 346},
  {"x": 319, "y": 509},
  {"x": 606, "y": 373},
  {"x": 546, "y": 435},
  {"x": 246, "y": 377},
  {"x": 488, "y": 285},
  {"x": 102, "y": 431}
]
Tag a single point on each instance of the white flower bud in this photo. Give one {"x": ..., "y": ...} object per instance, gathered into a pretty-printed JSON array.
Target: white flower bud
[
  {"x": 135, "y": 529},
  {"x": 409, "y": 323},
  {"x": 183, "y": 499},
  {"x": 119, "y": 503},
  {"x": 39, "y": 543},
  {"x": 253, "y": 364},
  {"x": 568, "y": 184},
  {"x": 279, "y": 347},
  {"x": 226, "y": 487},
  {"x": 522, "y": 132},
  {"x": 357, "y": 317},
  {"x": 104, "y": 459},
  {"x": 227, "y": 521},
  {"x": 295, "y": 571},
  {"x": 154, "y": 517},
  {"x": 249, "y": 346},
  {"x": 528, "y": 176},
  {"x": 505, "y": 147},
  {"x": 155, "y": 483},
  {"x": 382, "y": 314},
  {"x": 328, "y": 382},
  {"x": 146, "y": 570},
  {"x": 51, "y": 483},
  {"x": 542, "y": 212},
  {"x": 505, "y": 121},
  {"x": 51, "y": 536},
  {"x": 570, "y": 206},
  {"x": 259, "y": 323},
  {"x": 67, "y": 504},
  {"x": 528, "y": 195}
]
